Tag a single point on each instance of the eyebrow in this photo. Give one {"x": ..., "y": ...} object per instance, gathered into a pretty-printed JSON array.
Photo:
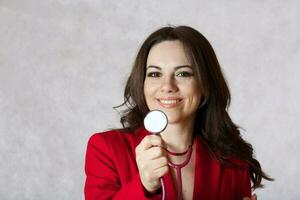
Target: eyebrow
[{"x": 176, "y": 68}]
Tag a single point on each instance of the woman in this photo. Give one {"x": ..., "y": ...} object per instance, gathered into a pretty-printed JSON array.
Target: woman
[{"x": 176, "y": 71}]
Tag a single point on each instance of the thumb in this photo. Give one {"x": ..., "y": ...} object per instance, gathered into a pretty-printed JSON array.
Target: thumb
[{"x": 254, "y": 197}]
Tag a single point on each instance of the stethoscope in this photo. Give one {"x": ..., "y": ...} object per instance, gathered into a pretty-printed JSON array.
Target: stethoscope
[{"x": 155, "y": 122}]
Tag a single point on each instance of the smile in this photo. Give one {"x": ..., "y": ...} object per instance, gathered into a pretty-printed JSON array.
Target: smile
[{"x": 169, "y": 103}]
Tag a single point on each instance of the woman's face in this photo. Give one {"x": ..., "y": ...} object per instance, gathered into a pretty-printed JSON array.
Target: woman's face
[{"x": 170, "y": 84}]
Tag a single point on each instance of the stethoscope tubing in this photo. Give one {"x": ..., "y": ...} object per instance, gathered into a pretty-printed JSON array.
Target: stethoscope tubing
[
  {"x": 177, "y": 167},
  {"x": 163, "y": 188}
]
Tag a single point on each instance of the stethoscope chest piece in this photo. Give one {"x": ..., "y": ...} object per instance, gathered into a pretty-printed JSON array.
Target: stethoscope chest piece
[{"x": 155, "y": 121}]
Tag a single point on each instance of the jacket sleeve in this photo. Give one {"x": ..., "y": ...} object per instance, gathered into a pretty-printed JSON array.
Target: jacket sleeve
[
  {"x": 246, "y": 189},
  {"x": 102, "y": 180}
]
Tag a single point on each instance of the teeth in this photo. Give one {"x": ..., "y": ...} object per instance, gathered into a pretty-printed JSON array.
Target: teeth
[{"x": 169, "y": 102}]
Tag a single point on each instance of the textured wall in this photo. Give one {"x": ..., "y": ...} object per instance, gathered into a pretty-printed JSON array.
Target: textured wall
[{"x": 63, "y": 65}]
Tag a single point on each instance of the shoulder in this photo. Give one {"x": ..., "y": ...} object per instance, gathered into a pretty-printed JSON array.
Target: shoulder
[
  {"x": 116, "y": 134},
  {"x": 116, "y": 139},
  {"x": 109, "y": 136},
  {"x": 239, "y": 163},
  {"x": 104, "y": 134},
  {"x": 226, "y": 162}
]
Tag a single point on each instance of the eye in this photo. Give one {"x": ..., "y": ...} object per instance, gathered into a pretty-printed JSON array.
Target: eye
[
  {"x": 153, "y": 74},
  {"x": 184, "y": 74}
]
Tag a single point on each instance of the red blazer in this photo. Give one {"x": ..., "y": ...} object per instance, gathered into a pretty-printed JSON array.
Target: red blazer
[{"x": 112, "y": 173}]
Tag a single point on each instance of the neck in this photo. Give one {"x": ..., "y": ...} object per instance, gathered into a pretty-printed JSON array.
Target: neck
[{"x": 178, "y": 137}]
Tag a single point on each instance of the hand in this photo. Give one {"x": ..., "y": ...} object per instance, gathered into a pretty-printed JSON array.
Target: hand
[
  {"x": 254, "y": 197},
  {"x": 152, "y": 162}
]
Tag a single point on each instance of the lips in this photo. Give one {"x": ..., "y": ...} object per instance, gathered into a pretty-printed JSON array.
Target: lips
[{"x": 169, "y": 102}]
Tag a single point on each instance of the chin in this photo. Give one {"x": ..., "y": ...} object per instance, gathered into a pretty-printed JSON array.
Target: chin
[{"x": 173, "y": 118}]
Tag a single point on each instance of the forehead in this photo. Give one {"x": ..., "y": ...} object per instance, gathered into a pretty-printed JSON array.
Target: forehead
[{"x": 167, "y": 53}]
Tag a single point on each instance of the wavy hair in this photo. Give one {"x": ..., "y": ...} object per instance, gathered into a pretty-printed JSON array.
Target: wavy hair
[{"x": 212, "y": 122}]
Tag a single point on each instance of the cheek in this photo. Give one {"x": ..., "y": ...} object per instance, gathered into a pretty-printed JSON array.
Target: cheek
[
  {"x": 148, "y": 92},
  {"x": 193, "y": 93},
  {"x": 196, "y": 93},
  {"x": 149, "y": 95},
  {"x": 149, "y": 88},
  {"x": 146, "y": 89}
]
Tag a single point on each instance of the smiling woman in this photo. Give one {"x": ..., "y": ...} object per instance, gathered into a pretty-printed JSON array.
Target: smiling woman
[
  {"x": 176, "y": 71},
  {"x": 170, "y": 84}
]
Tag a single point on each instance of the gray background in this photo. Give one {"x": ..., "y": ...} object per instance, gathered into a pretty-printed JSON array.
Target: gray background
[{"x": 63, "y": 65}]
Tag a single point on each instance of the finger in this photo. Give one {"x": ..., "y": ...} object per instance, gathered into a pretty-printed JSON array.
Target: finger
[
  {"x": 254, "y": 197},
  {"x": 154, "y": 153},
  {"x": 160, "y": 162},
  {"x": 160, "y": 172},
  {"x": 152, "y": 165},
  {"x": 150, "y": 141}
]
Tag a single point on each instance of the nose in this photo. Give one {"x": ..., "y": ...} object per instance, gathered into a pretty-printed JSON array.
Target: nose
[{"x": 169, "y": 85}]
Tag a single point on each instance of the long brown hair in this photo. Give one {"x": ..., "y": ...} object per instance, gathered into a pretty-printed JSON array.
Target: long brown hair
[{"x": 212, "y": 122}]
